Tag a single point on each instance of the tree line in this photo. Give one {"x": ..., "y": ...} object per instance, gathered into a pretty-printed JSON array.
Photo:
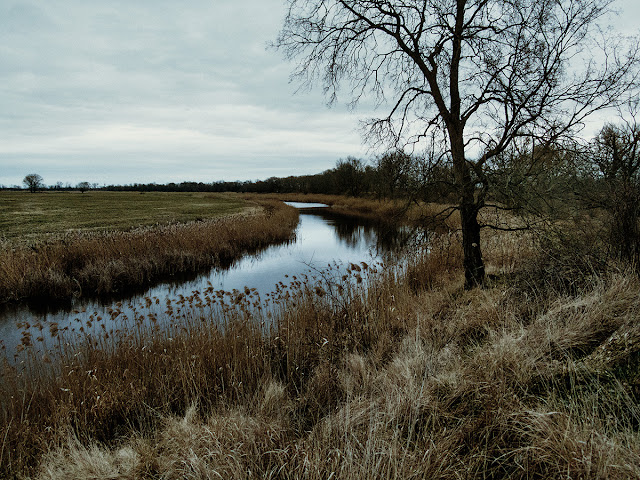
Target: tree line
[
  {"x": 393, "y": 175},
  {"x": 35, "y": 183},
  {"x": 529, "y": 180},
  {"x": 547, "y": 180},
  {"x": 495, "y": 91}
]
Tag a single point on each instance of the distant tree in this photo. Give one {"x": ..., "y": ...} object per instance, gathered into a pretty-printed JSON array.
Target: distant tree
[
  {"x": 349, "y": 176},
  {"x": 615, "y": 152},
  {"x": 83, "y": 186},
  {"x": 526, "y": 178},
  {"x": 33, "y": 182},
  {"x": 393, "y": 174},
  {"x": 482, "y": 74}
]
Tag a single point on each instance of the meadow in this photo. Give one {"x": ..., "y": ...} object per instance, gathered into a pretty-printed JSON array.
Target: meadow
[
  {"x": 34, "y": 218},
  {"x": 58, "y": 246},
  {"x": 404, "y": 375}
]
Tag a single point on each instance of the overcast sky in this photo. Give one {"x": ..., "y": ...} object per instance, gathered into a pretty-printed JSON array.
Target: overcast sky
[{"x": 124, "y": 91}]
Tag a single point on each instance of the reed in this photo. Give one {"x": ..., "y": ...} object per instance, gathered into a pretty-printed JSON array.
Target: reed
[
  {"x": 91, "y": 263},
  {"x": 395, "y": 211},
  {"x": 336, "y": 377}
]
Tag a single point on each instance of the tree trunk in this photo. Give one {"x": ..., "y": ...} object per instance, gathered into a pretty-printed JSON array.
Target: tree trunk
[
  {"x": 469, "y": 208},
  {"x": 472, "y": 255}
]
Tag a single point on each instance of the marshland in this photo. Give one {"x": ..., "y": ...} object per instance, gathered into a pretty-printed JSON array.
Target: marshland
[
  {"x": 65, "y": 245},
  {"x": 467, "y": 304},
  {"x": 371, "y": 370}
]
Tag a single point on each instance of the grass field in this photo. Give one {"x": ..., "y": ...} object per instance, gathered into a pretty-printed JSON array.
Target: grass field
[
  {"x": 33, "y": 217},
  {"x": 63, "y": 245},
  {"x": 405, "y": 376}
]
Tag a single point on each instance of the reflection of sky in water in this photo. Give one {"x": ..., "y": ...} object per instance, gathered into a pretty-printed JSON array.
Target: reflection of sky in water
[
  {"x": 319, "y": 242},
  {"x": 317, "y": 245}
]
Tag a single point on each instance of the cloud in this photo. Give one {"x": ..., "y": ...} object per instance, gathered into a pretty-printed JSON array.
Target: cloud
[
  {"x": 117, "y": 87},
  {"x": 158, "y": 90}
]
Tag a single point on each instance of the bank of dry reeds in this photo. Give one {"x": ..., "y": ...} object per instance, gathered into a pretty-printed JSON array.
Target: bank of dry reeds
[
  {"x": 92, "y": 264},
  {"x": 329, "y": 379},
  {"x": 395, "y": 211}
]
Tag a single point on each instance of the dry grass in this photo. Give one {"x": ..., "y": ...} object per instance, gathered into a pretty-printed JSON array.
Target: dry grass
[
  {"x": 90, "y": 264},
  {"x": 30, "y": 219},
  {"x": 389, "y": 210},
  {"x": 402, "y": 379}
]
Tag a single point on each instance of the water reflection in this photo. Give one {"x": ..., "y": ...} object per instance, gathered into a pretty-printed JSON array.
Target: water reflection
[
  {"x": 383, "y": 237},
  {"x": 322, "y": 239}
]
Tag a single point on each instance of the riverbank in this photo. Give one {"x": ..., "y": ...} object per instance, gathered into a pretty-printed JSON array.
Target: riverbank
[
  {"x": 104, "y": 260},
  {"x": 406, "y": 378},
  {"x": 392, "y": 211}
]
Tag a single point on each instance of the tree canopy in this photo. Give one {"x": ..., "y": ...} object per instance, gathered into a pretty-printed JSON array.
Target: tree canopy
[
  {"x": 477, "y": 75},
  {"x": 33, "y": 182}
]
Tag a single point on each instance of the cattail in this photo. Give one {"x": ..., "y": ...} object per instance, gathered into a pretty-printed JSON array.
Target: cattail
[{"x": 53, "y": 329}]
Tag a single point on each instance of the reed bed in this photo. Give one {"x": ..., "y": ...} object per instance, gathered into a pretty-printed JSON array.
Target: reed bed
[
  {"x": 395, "y": 211},
  {"x": 363, "y": 372},
  {"x": 92, "y": 264}
]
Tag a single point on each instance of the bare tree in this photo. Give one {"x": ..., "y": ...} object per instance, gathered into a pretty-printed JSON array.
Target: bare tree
[
  {"x": 615, "y": 152},
  {"x": 393, "y": 173},
  {"x": 483, "y": 73},
  {"x": 83, "y": 186},
  {"x": 350, "y": 176},
  {"x": 33, "y": 182}
]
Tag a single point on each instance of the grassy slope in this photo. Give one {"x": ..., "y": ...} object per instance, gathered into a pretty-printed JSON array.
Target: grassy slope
[{"x": 410, "y": 378}]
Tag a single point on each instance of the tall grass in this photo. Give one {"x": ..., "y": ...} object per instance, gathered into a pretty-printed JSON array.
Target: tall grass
[
  {"x": 332, "y": 378},
  {"x": 390, "y": 210},
  {"x": 97, "y": 263}
]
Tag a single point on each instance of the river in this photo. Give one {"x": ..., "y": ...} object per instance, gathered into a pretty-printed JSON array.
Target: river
[{"x": 322, "y": 240}]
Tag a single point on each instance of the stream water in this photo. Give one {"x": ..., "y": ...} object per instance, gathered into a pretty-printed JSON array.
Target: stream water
[{"x": 322, "y": 240}]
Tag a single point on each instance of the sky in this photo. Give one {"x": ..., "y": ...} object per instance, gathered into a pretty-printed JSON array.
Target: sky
[{"x": 141, "y": 91}]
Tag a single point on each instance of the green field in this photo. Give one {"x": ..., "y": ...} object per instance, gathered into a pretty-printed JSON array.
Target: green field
[{"x": 27, "y": 216}]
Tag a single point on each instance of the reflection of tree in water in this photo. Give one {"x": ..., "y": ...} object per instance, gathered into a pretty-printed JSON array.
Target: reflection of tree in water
[{"x": 386, "y": 238}]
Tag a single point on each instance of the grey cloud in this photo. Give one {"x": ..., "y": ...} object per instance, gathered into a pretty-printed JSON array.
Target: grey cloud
[
  {"x": 18, "y": 17},
  {"x": 156, "y": 91}
]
